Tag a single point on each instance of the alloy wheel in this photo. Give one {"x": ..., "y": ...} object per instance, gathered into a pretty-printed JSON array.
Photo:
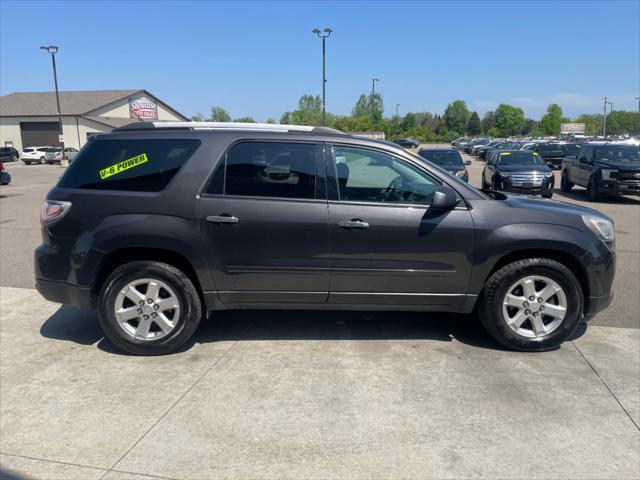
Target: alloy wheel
[
  {"x": 534, "y": 306},
  {"x": 147, "y": 309}
]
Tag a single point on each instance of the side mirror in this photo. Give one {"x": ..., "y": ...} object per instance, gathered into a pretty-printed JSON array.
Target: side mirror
[
  {"x": 467, "y": 162},
  {"x": 445, "y": 198}
]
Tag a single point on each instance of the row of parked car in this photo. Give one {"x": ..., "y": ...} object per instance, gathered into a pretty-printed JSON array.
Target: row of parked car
[
  {"x": 41, "y": 155},
  {"x": 525, "y": 166}
]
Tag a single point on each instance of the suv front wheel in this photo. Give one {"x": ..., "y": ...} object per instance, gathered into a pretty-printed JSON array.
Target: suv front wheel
[
  {"x": 149, "y": 308},
  {"x": 533, "y": 304}
]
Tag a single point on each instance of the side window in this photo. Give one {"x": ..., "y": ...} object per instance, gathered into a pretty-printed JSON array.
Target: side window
[
  {"x": 370, "y": 176},
  {"x": 133, "y": 165},
  {"x": 267, "y": 169}
]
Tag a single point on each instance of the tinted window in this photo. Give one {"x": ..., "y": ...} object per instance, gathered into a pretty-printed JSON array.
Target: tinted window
[
  {"x": 519, "y": 157},
  {"x": 267, "y": 169},
  {"x": 371, "y": 176},
  {"x": 442, "y": 157},
  {"x": 135, "y": 165},
  {"x": 617, "y": 153},
  {"x": 571, "y": 148}
]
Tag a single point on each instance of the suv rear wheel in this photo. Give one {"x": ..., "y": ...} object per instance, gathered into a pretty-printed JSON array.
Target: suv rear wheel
[
  {"x": 533, "y": 304},
  {"x": 565, "y": 184},
  {"x": 149, "y": 308}
]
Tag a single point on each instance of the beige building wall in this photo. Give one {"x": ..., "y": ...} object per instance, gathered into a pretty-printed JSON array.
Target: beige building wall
[{"x": 120, "y": 109}]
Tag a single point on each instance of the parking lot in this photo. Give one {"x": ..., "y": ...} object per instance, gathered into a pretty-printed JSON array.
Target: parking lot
[{"x": 295, "y": 394}]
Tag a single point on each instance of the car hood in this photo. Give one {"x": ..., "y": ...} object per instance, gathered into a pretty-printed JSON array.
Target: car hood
[
  {"x": 523, "y": 168},
  {"x": 552, "y": 206},
  {"x": 618, "y": 165}
]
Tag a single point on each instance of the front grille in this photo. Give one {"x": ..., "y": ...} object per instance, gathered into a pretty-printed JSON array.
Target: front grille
[
  {"x": 629, "y": 175},
  {"x": 534, "y": 179}
]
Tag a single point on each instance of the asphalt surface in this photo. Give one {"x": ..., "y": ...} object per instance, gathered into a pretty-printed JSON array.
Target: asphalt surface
[{"x": 20, "y": 235}]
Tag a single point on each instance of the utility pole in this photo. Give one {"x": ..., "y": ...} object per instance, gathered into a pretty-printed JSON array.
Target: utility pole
[
  {"x": 52, "y": 49},
  {"x": 638, "y": 99},
  {"x": 397, "y": 105},
  {"x": 327, "y": 32},
  {"x": 604, "y": 118}
]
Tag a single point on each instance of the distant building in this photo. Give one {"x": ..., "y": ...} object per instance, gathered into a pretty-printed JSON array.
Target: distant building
[
  {"x": 30, "y": 118},
  {"x": 375, "y": 135}
]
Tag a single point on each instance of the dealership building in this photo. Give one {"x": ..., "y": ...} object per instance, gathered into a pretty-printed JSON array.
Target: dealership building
[{"x": 30, "y": 118}]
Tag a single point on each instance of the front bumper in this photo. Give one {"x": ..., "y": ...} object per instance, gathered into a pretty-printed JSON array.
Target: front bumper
[
  {"x": 62, "y": 292},
  {"x": 624, "y": 187},
  {"x": 543, "y": 189}
]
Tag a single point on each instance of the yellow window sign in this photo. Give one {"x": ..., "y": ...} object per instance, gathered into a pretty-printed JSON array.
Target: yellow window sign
[
  {"x": 123, "y": 166},
  {"x": 505, "y": 153}
]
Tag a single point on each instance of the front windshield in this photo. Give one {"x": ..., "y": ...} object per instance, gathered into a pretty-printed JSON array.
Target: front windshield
[
  {"x": 617, "y": 153},
  {"x": 520, "y": 157},
  {"x": 442, "y": 157}
]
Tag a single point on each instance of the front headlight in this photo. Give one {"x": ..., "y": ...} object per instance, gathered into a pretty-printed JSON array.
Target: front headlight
[
  {"x": 548, "y": 174},
  {"x": 460, "y": 173},
  {"x": 504, "y": 174},
  {"x": 601, "y": 227},
  {"x": 609, "y": 174}
]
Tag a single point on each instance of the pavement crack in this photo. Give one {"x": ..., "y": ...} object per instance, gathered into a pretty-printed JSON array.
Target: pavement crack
[
  {"x": 173, "y": 405},
  {"x": 606, "y": 385}
]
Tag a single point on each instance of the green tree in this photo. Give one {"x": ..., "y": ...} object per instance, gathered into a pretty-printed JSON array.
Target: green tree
[
  {"x": 550, "y": 122},
  {"x": 592, "y": 123},
  {"x": 271, "y": 120},
  {"x": 488, "y": 121},
  {"x": 530, "y": 126},
  {"x": 620, "y": 122},
  {"x": 473, "y": 125},
  {"x": 245, "y": 120},
  {"x": 409, "y": 121},
  {"x": 509, "y": 119},
  {"x": 219, "y": 114},
  {"x": 309, "y": 112},
  {"x": 198, "y": 117},
  {"x": 372, "y": 105},
  {"x": 360, "y": 123},
  {"x": 456, "y": 116}
]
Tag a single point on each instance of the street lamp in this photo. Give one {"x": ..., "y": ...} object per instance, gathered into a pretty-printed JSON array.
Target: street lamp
[
  {"x": 323, "y": 36},
  {"x": 52, "y": 49},
  {"x": 638, "y": 99},
  {"x": 397, "y": 105},
  {"x": 373, "y": 93}
]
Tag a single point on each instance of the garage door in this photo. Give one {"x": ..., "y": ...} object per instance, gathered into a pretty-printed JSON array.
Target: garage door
[{"x": 39, "y": 133}]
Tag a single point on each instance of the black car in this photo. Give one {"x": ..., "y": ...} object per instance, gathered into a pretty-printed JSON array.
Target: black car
[
  {"x": 518, "y": 171},
  {"x": 407, "y": 142},
  {"x": 551, "y": 153},
  {"x": 9, "y": 154},
  {"x": 447, "y": 159},
  {"x": 482, "y": 151},
  {"x": 156, "y": 225},
  {"x": 611, "y": 169}
]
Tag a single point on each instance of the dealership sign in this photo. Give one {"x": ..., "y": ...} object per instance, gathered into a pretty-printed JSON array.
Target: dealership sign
[
  {"x": 572, "y": 128},
  {"x": 143, "y": 108}
]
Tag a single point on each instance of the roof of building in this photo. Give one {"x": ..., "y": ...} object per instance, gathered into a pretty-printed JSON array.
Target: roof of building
[{"x": 26, "y": 104}]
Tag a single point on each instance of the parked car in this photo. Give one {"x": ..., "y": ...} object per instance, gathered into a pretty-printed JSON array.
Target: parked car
[
  {"x": 518, "y": 171},
  {"x": 478, "y": 141},
  {"x": 34, "y": 155},
  {"x": 54, "y": 154},
  {"x": 551, "y": 153},
  {"x": 9, "y": 154},
  {"x": 155, "y": 225},
  {"x": 609, "y": 168},
  {"x": 447, "y": 159},
  {"x": 5, "y": 178},
  {"x": 407, "y": 142},
  {"x": 482, "y": 151}
]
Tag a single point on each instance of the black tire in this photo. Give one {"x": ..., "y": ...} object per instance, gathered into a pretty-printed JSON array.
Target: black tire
[
  {"x": 489, "y": 308},
  {"x": 593, "y": 194},
  {"x": 565, "y": 184},
  {"x": 191, "y": 311},
  {"x": 14, "y": 158}
]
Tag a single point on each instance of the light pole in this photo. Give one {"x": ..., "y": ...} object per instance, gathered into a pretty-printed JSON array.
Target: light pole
[
  {"x": 327, "y": 32},
  {"x": 397, "y": 105},
  {"x": 52, "y": 49},
  {"x": 373, "y": 94},
  {"x": 638, "y": 99}
]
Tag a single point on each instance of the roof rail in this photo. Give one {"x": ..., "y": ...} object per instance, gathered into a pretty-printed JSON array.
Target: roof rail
[{"x": 261, "y": 127}]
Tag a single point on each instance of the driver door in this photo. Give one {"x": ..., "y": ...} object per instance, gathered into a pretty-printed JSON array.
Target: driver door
[{"x": 387, "y": 245}]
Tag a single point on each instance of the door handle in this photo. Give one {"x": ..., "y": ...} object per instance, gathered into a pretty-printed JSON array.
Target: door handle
[
  {"x": 354, "y": 223},
  {"x": 222, "y": 219}
]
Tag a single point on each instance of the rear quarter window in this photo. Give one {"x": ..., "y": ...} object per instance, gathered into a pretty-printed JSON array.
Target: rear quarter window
[{"x": 133, "y": 165}]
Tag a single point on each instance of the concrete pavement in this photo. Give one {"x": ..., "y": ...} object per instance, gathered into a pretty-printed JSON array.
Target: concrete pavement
[{"x": 312, "y": 395}]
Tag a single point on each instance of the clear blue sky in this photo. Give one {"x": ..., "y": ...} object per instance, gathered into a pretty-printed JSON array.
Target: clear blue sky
[{"x": 257, "y": 58}]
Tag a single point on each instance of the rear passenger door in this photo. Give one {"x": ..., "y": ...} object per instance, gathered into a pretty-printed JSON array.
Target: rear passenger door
[{"x": 263, "y": 217}]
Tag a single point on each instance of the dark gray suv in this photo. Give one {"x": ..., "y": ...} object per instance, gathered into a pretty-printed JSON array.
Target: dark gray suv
[{"x": 157, "y": 224}]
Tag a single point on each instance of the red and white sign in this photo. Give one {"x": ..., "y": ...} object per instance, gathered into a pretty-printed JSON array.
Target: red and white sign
[{"x": 143, "y": 108}]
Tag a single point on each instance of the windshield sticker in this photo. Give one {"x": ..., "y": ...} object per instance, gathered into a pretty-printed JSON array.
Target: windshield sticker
[{"x": 123, "y": 166}]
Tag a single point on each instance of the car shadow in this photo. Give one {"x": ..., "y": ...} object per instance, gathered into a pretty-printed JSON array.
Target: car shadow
[{"x": 81, "y": 326}]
